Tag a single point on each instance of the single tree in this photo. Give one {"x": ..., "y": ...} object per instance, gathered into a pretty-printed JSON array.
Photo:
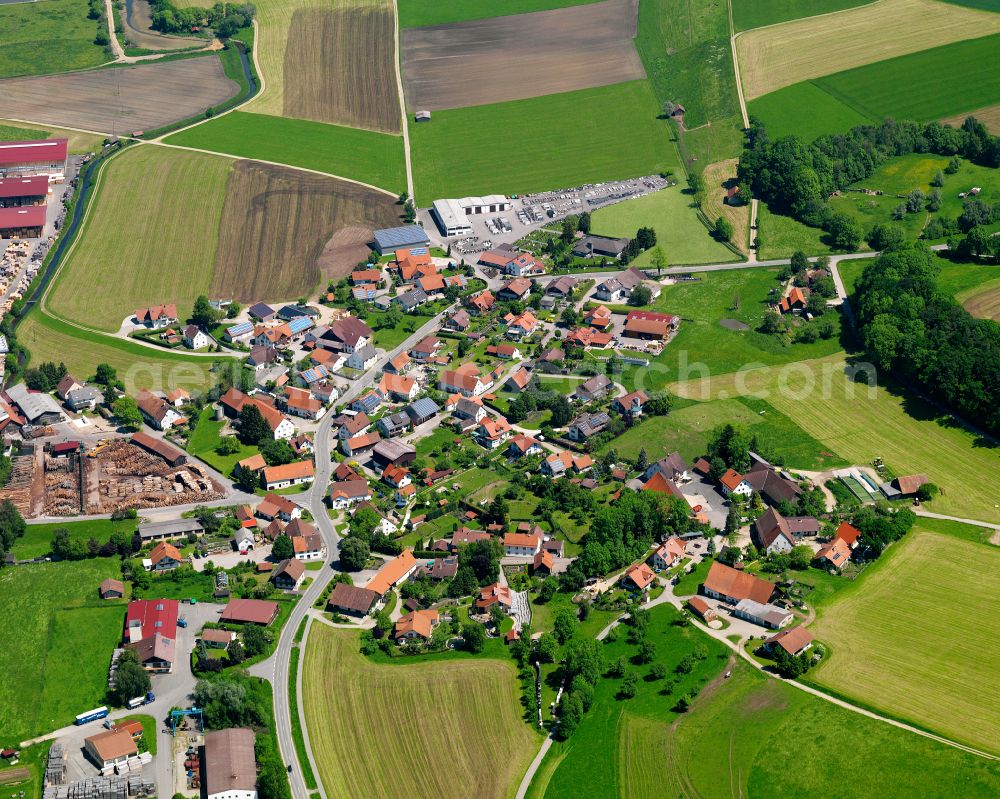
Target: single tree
[
  {"x": 354, "y": 554},
  {"x": 126, "y": 411},
  {"x": 282, "y": 549}
]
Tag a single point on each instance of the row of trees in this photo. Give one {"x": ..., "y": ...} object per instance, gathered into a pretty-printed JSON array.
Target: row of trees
[
  {"x": 920, "y": 333},
  {"x": 796, "y": 178},
  {"x": 225, "y": 19}
]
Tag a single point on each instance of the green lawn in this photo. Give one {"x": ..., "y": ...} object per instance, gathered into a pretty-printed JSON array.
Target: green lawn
[
  {"x": 900, "y": 644},
  {"x": 205, "y": 438},
  {"x": 688, "y": 429},
  {"x": 749, "y": 14},
  {"x": 607, "y": 133},
  {"x": 779, "y": 236},
  {"x": 684, "y": 47},
  {"x": 362, "y": 155},
  {"x": 603, "y": 757},
  {"x": 388, "y": 338},
  {"x": 703, "y": 347},
  {"x": 931, "y": 84},
  {"x": 37, "y": 538},
  {"x": 58, "y": 638},
  {"x": 683, "y": 237},
  {"x": 49, "y": 339},
  {"x": 45, "y": 37},
  {"x": 417, "y": 13},
  {"x": 753, "y": 736}
]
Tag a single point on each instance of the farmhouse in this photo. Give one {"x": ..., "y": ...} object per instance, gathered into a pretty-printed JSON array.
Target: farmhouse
[
  {"x": 668, "y": 553},
  {"x": 794, "y": 640},
  {"x": 250, "y": 611},
  {"x": 157, "y": 316},
  {"x": 346, "y": 493},
  {"x": 464, "y": 380},
  {"x": 157, "y": 411},
  {"x": 195, "y": 338},
  {"x": 419, "y": 624},
  {"x": 600, "y": 246},
  {"x": 393, "y": 573},
  {"x": 495, "y": 594},
  {"x": 288, "y": 474},
  {"x": 230, "y": 767},
  {"x": 521, "y": 545},
  {"x": 593, "y": 388},
  {"x": 517, "y": 289},
  {"x": 774, "y": 533},
  {"x": 730, "y": 585},
  {"x": 388, "y": 240},
  {"x": 35, "y": 157},
  {"x": 767, "y": 481},
  {"x": 732, "y": 482},
  {"x": 649, "y": 326},
  {"x": 275, "y": 506},
  {"x": 393, "y": 453},
  {"x": 353, "y": 600}
]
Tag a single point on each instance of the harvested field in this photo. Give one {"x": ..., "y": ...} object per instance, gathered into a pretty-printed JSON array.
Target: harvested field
[
  {"x": 900, "y": 644},
  {"x": 457, "y": 727},
  {"x": 137, "y": 20},
  {"x": 122, "y": 99},
  {"x": 471, "y": 63},
  {"x": 339, "y": 66},
  {"x": 150, "y": 237},
  {"x": 419, "y": 13},
  {"x": 781, "y": 55},
  {"x": 984, "y": 302},
  {"x": 989, "y": 116},
  {"x": 717, "y": 179},
  {"x": 276, "y": 225}
]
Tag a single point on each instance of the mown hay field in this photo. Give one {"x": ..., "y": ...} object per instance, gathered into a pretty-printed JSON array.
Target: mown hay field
[
  {"x": 749, "y": 14},
  {"x": 121, "y": 100},
  {"x": 442, "y": 729},
  {"x": 470, "y": 63},
  {"x": 983, "y": 302},
  {"x": 741, "y": 734},
  {"x": 329, "y": 61},
  {"x": 606, "y": 133},
  {"x": 717, "y": 179},
  {"x": 861, "y": 424},
  {"x": 363, "y": 155},
  {"x": 919, "y": 638},
  {"x": 44, "y": 37},
  {"x": 149, "y": 237},
  {"x": 782, "y": 55},
  {"x": 276, "y": 225},
  {"x": 58, "y": 640}
]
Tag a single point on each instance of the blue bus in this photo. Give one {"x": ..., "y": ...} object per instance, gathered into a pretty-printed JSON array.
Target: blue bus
[{"x": 91, "y": 715}]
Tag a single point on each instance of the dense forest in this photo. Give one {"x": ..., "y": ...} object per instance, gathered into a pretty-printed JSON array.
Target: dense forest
[
  {"x": 796, "y": 178},
  {"x": 911, "y": 327}
]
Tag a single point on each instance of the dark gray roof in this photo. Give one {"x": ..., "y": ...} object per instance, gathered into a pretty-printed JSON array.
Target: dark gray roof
[
  {"x": 393, "y": 238},
  {"x": 424, "y": 406}
]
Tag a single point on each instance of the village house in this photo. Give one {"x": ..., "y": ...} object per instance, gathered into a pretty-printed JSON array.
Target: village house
[
  {"x": 157, "y": 412},
  {"x": 459, "y": 321},
  {"x": 776, "y": 534},
  {"x": 516, "y": 290},
  {"x": 668, "y": 553},
  {"x": 702, "y": 609},
  {"x": 495, "y": 594},
  {"x": 165, "y": 557},
  {"x": 301, "y": 403},
  {"x": 593, "y": 388},
  {"x": 732, "y": 482},
  {"x": 587, "y": 425},
  {"x": 794, "y": 302},
  {"x": 731, "y": 585},
  {"x": 482, "y": 302},
  {"x": 362, "y": 358},
  {"x": 794, "y": 640},
  {"x": 599, "y": 317},
  {"x": 600, "y": 247},
  {"x": 558, "y": 464},
  {"x": 507, "y": 352},
  {"x": 520, "y": 326},
  {"x": 639, "y": 577},
  {"x": 630, "y": 404},
  {"x": 617, "y": 290},
  {"x": 492, "y": 432},
  {"x": 519, "y": 380},
  {"x": 195, "y": 338},
  {"x": 422, "y": 411},
  {"x": 587, "y": 338},
  {"x": 394, "y": 573},
  {"x": 464, "y": 380},
  {"x": 352, "y": 600},
  {"x": 288, "y": 474},
  {"x": 394, "y": 424},
  {"x": 426, "y": 348},
  {"x": 398, "y": 387},
  {"x": 524, "y": 545},
  {"x": 157, "y": 316},
  {"x": 275, "y": 506},
  {"x": 397, "y": 366},
  {"x": 347, "y": 493},
  {"x": 522, "y": 445},
  {"x": 350, "y": 425},
  {"x": 359, "y": 445},
  {"x": 562, "y": 287},
  {"x": 672, "y": 467},
  {"x": 416, "y": 625}
]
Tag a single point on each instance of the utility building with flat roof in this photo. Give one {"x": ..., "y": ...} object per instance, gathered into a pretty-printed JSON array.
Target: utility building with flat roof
[
  {"x": 390, "y": 239},
  {"x": 450, "y": 218}
]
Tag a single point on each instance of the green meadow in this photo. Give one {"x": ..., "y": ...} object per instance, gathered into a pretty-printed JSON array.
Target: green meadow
[
  {"x": 49, "y": 36},
  {"x": 749, "y": 14}
]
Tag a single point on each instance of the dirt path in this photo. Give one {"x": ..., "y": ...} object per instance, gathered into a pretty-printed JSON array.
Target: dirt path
[
  {"x": 752, "y": 256},
  {"x": 402, "y": 104}
]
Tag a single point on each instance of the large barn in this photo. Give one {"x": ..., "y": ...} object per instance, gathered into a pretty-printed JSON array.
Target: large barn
[
  {"x": 16, "y": 192},
  {"x": 24, "y": 222},
  {"x": 42, "y": 157}
]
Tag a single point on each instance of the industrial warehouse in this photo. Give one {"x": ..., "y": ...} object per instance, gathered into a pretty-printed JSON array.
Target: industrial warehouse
[{"x": 26, "y": 170}]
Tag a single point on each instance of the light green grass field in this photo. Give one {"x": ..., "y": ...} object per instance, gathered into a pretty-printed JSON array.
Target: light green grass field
[
  {"x": 684, "y": 47},
  {"x": 941, "y": 82},
  {"x": 205, "y": 438},
  {"x": 860, "y": 425},
  {"x": 779, "y": 236},
  {"x": 607, "y": 133},
  {"x": 417, "y": 13},
  {"x": 901, "y": 642},
  {"x": 702, "y": 345},
  {"x": 753, "y": 736},
  {"x": 45, "y": 37},
  {"x": 616, "y": 732},
  {"x": 688, "y": 429},
  {"x": 37, "y": 539},
  {"x": 138, "y": 367},
  {"x": 58, "y": 638},
  {"x": 749, "y": 14},
  {"x": 456, "y": 729},
  {"x": 148, "y": 239},
  {"x": 78, "y": 143},
  {"x": 362, "y": 155},
  {"x": 683, "y": 237}
]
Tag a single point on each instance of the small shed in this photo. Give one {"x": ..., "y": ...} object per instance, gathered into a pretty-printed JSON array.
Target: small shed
[{"x": 422, "y": 116}]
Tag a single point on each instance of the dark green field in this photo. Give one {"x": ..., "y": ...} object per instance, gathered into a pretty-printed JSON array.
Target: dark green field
[
  {"x": 49, "y": 36},
  {"x": 932, "y": 84},
  {"x": 362, "y": 155},
  {"x": 749, "y": 14},
  {"x": 607, "y": 133}
]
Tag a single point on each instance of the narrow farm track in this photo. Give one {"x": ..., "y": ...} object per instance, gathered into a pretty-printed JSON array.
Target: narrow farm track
[
  {"x": 754, "y": 202},
  {"x": 402, "y": 102}
]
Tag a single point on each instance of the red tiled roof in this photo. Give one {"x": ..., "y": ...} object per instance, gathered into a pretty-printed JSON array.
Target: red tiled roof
[{"x": 739, "y": 585}]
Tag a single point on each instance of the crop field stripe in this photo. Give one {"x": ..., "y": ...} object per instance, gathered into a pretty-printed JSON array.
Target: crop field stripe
[
  {"x": 901, "y": 644},
  {"x": 443, "y": 728},
  {"x": 276, "y": 225},
  {"x": 149, "y": 237},
  {"x": 371, "y": 159},
  {"x": 781, "y": 55},
  {"x": 122, "y": 99},
  {"x": 421, "y": 13},
  {"x": 749, "y": 14},
  {"x": 469, "y": 63}
]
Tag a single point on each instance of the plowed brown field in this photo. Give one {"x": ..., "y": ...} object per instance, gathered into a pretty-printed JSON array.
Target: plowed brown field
[
  {"x": 277, "y": 223},
  {"x": 526, "y": 55},
  {"x": 123, "y": 99},
  {"x": 339, "y": 66}
]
